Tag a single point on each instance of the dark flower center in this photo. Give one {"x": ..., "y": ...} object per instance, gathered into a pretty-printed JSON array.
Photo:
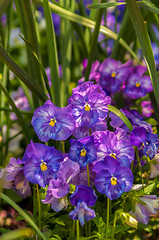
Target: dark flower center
[
  {"x": 83, "y": 152},
  {"x": 113, "y": 181}
]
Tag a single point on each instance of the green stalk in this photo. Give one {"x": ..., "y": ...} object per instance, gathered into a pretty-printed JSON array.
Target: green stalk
[
  {"x": 107, "y": 222},
  {"x": 143, "y": 37},
  {"x": 77, "y": 229},
  {"x": 53, "y": 57},
  {"x": 114, "y": 226},
  {"x": 94, "y": 42},
  {"x": 23, "y": 214},
  {"x": 39, "y": 206},
  {"x": 17, "y": 234},
  {"x": 138, "y": 161}
]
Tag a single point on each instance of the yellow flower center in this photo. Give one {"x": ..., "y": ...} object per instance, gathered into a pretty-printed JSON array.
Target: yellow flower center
[
  {"x": 138, "y": 84},
  {"x": 52, "y": 122},
  {"x": 43, "y": 165},
  {"x": 83, "y": 152},
  {"x": 113, "y": 155},
  {"x": 87, "y": 107},
  {"x": 113, "y": 74},
  {"x": 113, "y": 181}
]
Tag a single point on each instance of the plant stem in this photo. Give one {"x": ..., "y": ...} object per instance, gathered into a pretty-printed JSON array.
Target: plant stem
[
  {"x": 114, "y": 226},
  {"x": 88, "y": 177},
  {"x": 39, "y": 206},
  {"x": 77, "y": 225},
  {"x": 107, "y": 221}
]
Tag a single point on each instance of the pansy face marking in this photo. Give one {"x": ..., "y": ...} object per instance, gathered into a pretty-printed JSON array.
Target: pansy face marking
[
  {"x": 52, "y": 122},
  {"x": 137, "y": 84},
  {"x": 113, "y": 155},
  {"x": 87, "y": 107},
  {"x": 113, "y": 74},
  {"x": 83, "y": 152},
  {"x": 43, "y": 165},
  {"x": 113, "y": 181}
]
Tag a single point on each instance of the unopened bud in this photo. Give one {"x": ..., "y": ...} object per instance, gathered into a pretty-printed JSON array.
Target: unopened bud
[{"x": 130, "y": 220}]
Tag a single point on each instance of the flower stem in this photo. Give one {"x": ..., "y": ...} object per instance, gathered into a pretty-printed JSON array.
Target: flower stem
[
  {"x": 139, "y": 163},
  {"x": 114, "y": 226},
  {"x": 107, "y": 221},
  {"x": 88, "y": 177},
  {"x": 39, "y": 205},
  {"x": 77, "y": 229}
]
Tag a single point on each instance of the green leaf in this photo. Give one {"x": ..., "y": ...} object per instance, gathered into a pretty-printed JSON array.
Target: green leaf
[
  {"x": 3, "y": 5},
  {"x": 87, "y": 23},
  {"x": 18, "y": 114},
  {"x": 25, "y": 215},
  {"x": 121, "y": 116},
  {"x": 149, "y": 6},
  {"x": 144, "y": 40},
  {"x": 106, "y": 5},
  {"x": 21, "y": 74},
  {"x": 148, "y": 189},
  {"x": 53, "y": 57},
  {"x": 16, "y": 234}
]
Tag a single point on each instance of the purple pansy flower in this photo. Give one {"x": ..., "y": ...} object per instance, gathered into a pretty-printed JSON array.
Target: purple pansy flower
[
  {"x": 137, "y": 84},
  {"x": 59, "y": 187},
  {"x": 41, "y": 163},
  {"x": 155, "y": 166},
  {"x": 147, "y": 109},
  {"x": 113, "y": 179},
  {"x": 113, "y": 73},
  {"x": 114, "y": 144},
  {"x": 14, "y": 178},
  {"x": 52, "y": 122},
  {"x": 149, "y": 141},
  {"x": 83, "y": 197},
  {"x": 83, "y": 151},
  {"x": 89, "y": 104},
  {"x": 143, "y": 212}
]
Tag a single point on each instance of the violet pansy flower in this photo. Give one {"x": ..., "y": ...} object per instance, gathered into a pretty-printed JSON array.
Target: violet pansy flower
[
  {"x": 83, "y": 197},
  {"x": 89, "y": 104},
  {"x": 41, "y": 163},
  {"x": 112, "y": 179},
  {"x": 52, "y": 122},
  {"x": 114, "y": 144},
  {"x": 137, "y": 84},
  {"x": 143, "y": 212},
  {"x": 113, "y": 73},
  {"x": 83, "y": 151}
]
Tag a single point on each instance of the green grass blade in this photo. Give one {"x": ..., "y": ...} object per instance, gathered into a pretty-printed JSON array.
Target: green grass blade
[
  {"x": 23, "y": 214},
  {"x": 66, "y": 49},
  {"x": 16, "y": 234},
  {"x": 143, "y": 38},
  {"x": 52, "y": 55},
  {"x": 87, "y": 23},
  {"x": 121, "y": 116},
  {"x": 21, "y": 74},
  {"x": 106, "y": 5},
  {"x": 3, "y": 5},
  {"x": 18, "y": 114}
]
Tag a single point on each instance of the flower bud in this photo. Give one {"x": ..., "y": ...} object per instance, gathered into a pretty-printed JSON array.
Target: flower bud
[{"x": 129, "y": 220}]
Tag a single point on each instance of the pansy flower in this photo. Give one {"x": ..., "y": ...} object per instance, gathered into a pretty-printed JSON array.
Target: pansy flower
[
  {"x": 114, "y": 144},
  {"x": 83, "y": 151},
  {"x": 137, "y": 84},
  {"x": 52, "y": 122},
  {"x": 83, "y": 197},
  {"x": 41, "y": 163},
  {"x": 13, "y": 178},
  {"x": 113, "y": 73},
  {"x": 89, "y": 104},
  {"x": 143, "y": 212},
  {"x": 59, "y": 188},
  {"x": 112, "y": 179}
]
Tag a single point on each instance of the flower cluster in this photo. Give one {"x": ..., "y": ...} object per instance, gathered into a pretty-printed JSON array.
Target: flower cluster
[{"x": 101, "y": 152}]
